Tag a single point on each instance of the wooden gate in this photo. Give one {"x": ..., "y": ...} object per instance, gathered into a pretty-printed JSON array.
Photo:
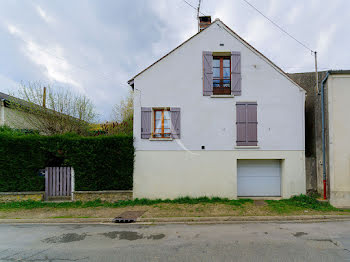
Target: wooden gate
[{"x": 58, "y": 182}]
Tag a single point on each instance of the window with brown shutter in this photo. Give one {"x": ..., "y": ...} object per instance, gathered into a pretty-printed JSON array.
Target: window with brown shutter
[
  {"x": 247, "y": 124},
  {"x": 222, "y": 73},
  {"x": 160, "y": 123}
]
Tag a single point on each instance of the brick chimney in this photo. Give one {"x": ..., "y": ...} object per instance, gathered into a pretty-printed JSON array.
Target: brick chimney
[{"x": 204, "y": 22}]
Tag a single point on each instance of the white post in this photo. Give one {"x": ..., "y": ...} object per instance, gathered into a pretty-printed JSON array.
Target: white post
[{"x": 72, "y": 182}]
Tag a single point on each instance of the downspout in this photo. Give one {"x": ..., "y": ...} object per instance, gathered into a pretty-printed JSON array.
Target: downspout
[{"x": 324, "y": 137}]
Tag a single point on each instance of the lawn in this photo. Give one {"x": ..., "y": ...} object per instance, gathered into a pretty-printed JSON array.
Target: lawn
[{"x": 181, "y": 207}]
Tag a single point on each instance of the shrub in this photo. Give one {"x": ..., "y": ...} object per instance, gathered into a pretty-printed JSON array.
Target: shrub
[{"x": 100, "y": 163}]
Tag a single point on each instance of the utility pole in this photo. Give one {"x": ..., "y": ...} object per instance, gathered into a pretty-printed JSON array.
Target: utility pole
[
  {"x": 317, "y": 89},
  {"x": 44, "y": 97}
]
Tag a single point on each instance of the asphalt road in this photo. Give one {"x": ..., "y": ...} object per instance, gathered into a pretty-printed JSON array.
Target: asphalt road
[{"x": 329, "y": 241}]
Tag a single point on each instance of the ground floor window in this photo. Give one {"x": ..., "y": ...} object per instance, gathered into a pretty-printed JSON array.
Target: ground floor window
[{"x": 161, "y": 123}]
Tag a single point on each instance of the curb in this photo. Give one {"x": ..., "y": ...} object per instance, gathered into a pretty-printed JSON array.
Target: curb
[
  {"x": 57, "y": 221},
  {"x": 185, "y": 220},
  {"x": 244, "y": 219}
]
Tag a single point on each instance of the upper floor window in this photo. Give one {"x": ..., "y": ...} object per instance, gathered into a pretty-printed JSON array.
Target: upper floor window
[
  {"x": 221, "y": 75},
  {"x": 247, "y": 123},
  {"x": 162, "y": 123}
]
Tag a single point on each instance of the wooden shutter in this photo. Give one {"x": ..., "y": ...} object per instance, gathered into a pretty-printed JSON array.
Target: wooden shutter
[
  {"x": 247, "y": 124},
  {"x": 146, "y": 116},
  {"x": 207, "y": 73},
  {"x": 236, "y": 77},
  {"x": 175, "y": 122}
]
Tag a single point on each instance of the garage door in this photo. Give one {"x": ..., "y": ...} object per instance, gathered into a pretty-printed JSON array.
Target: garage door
[{"x": 258, "y": 178}]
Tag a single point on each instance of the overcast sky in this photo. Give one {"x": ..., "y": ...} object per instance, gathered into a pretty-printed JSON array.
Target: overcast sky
[{"x": 94, "y": 47}]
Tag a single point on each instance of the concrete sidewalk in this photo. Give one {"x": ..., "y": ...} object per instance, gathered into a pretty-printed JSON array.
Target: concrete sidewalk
[{"x": 190, "y": 220}]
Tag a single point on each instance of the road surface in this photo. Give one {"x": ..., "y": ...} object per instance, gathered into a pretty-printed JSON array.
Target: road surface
[{"x": 329, "y": 241}]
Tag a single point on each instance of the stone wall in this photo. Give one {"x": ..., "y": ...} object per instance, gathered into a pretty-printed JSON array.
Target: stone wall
[
  {"x": 21, "y": 196},
  {"x": 109, "y": 196}
]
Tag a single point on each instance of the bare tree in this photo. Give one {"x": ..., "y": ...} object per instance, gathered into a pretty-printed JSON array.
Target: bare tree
[
  {"x": 122, "y": 119},
  {"x": 64, "y": 112},
  {"x": 124, "y": 110}
]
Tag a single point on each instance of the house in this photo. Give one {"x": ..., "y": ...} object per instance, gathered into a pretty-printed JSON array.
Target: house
[
  {"x": 329, "y": 141},
  {"x": 11, "y": 116},
  {"x": 215, "y": 117}
]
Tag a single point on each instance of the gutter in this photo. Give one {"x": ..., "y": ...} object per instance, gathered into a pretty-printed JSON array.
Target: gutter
[{"x": 324, "y": 136}]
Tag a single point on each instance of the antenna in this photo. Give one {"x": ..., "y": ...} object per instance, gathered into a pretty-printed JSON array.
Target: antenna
[{"x": 198, "y": 11}]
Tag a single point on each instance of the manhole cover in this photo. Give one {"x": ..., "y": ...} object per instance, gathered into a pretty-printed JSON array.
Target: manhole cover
[{"x": 128, "y": 217}]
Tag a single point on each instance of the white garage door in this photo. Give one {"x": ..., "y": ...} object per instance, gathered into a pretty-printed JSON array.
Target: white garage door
[{"x": 259, "y": 178}]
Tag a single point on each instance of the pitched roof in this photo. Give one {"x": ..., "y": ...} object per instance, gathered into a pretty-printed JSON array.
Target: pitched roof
[
  {"x": 8, "y": 99},
  {"x": 131, "y": 81}
]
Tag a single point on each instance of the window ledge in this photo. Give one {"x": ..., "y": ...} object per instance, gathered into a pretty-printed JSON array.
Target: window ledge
[
  {"x": 247, "y": 147},
  {"x": 222, "y": 96},
  {"x": 160, "y": 139}
]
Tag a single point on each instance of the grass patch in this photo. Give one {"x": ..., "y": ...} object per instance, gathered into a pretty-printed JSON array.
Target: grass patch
[
  {"x": 297, "y": 203},
  {"x": 185, "y": 206},
  {"x": 30, "y": 204}
]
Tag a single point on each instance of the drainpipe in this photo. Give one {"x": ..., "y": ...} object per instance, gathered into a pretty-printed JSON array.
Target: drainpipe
[{"x": 324, "y": 137}]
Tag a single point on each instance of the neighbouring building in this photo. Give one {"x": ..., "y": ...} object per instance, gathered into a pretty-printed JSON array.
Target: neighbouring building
[
  {"x": 215, "y": 117},
  {"x": 335, "y": 162},
  {"x": 12, "y": 117},
  {"x": 313, "y": 142}
]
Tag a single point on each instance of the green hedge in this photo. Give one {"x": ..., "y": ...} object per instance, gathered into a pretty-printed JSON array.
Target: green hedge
[{"x": 100, "y": 163}]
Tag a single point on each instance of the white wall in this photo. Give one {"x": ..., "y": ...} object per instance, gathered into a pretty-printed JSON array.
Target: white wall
[
  {"x": 339, "y": 143},
  {"x": 171, "y": 174},
  {"x": 177, "y": 81}
]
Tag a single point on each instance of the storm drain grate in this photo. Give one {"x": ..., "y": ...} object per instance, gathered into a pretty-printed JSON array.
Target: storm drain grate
[{"x": 128, "y": 217}]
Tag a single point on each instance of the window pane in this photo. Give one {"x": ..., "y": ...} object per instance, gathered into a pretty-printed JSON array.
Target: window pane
[
  {"x": 157, "y": 135},
  {"x": 158, "y": 130},
  {"x": 216, "y": 72},
  {"x": 166, "y": 114},
  {"x": 158, "y": 124},
  {"x": 227, "y": 83},
  {"x": 166, "y": 124},
  {"x": 226, "y": 62},
  {"x": 227, "y": 72},
  {"x": 166, "y": 135},
  {"x": 216, "y": 82},
  {"x": 158, "y": 114},
  {"x": 216, "y": 62}
]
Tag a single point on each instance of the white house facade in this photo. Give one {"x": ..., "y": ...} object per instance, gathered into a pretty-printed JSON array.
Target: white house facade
[{"x": 214, "y": 117}]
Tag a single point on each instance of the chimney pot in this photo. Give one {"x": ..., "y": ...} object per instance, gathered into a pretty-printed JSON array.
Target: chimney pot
[{"x": 204, "y": 22}]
